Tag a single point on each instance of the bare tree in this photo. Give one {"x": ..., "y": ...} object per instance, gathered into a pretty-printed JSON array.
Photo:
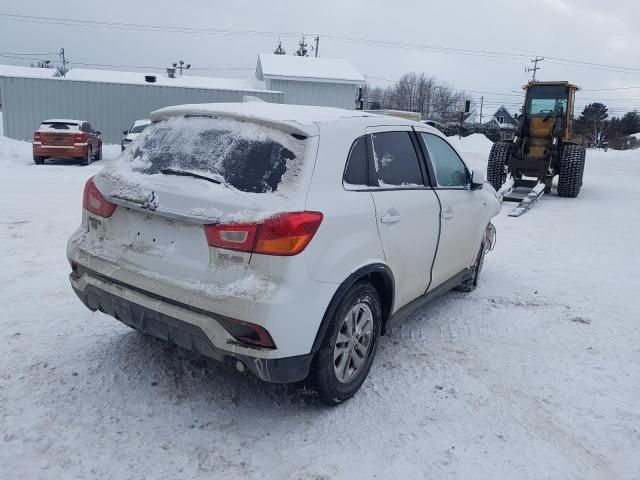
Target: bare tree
[{"x": 417, "y": 92}]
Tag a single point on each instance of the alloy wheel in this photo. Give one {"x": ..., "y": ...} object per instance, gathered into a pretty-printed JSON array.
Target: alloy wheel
[{"x": 353, "y": 343}]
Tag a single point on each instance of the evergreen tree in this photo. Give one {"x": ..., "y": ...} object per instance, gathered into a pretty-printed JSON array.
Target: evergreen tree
[
  {"x": 280, "y": 49},
  {"x": 592, "y": 122},
  {"x": 630, "y": 123},
  {"x": 303, "y": 48}
]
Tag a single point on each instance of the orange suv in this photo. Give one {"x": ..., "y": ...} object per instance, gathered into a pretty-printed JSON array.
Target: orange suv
[{"x": 66, "y": 139}]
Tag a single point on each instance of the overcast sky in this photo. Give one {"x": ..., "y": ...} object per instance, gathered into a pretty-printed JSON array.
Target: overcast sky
[{"x": 604, "y": 32}]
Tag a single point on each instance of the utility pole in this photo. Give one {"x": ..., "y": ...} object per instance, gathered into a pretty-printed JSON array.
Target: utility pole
[
  {"x": 481, "y": 104},
  {"x": 63, "y": 60},
  {"x": 317, "y": 44},
  {"x": 535, "y": 67}
]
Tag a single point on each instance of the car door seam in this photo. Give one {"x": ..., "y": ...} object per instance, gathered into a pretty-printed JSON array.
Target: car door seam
[{"x": 435, "y": 254}]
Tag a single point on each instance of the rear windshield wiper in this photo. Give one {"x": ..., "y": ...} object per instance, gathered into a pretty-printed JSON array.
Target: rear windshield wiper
[{"x": 185, "y": 173}]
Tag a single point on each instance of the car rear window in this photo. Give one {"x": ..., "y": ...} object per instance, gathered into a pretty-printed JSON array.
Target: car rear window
[
  {"x": 244, "y": 155},
  {"x": 59, "y": 126}
]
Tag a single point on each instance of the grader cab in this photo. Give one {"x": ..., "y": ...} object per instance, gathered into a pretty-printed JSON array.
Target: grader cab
[{"x": 544, "y": 145}]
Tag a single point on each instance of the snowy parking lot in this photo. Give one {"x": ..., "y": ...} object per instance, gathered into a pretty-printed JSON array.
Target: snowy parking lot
[{"x": 536, "y": 374}]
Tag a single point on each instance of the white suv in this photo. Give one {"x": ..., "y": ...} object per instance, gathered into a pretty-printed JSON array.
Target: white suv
[{"x": 282, "y": 239}]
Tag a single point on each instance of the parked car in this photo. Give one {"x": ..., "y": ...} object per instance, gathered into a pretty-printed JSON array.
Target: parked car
[
  {"x": 131, "y": 134},
  {"x": 282, "y": 239},
  {"x": 62, "y": 138}
]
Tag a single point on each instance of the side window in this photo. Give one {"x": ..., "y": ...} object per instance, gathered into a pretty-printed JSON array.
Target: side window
[
  {"x": 84, "y": 127},
  {"x": 355, "y": 172},
  {"x": 395, "y": 159},
  {"x": 89, "y": 127},
  {"x": 449, "y": 167}
]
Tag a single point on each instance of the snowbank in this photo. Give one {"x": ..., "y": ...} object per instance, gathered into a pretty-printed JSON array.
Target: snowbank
[
  {"x": 533, "y": 375},
  {"x": 14, "y": 152},
  {"x": 475, "y": 143}
]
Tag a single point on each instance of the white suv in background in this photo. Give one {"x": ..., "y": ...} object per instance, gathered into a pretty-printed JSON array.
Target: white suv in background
[
  {"x": 282, "y": 239},
  {"x": 133, "y": 132}
]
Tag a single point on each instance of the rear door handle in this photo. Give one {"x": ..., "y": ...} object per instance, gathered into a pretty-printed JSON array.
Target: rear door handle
[
  {"x": 448, "y": 213},
  {"x": 387, "y": 218}
]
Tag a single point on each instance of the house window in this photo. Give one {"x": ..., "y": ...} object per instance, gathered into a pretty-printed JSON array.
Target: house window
[{"x": 501, "y": 120}]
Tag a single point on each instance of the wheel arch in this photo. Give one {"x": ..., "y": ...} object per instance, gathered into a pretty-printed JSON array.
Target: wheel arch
[{"x": 382, "y": 279}]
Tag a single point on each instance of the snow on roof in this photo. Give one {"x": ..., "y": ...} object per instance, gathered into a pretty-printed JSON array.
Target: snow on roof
[
  {"x": 186, "y": 81},
  {"x": 18, "y": 71},
  {"x": 291, "y": 67},
  {"x": 62, "y": 120},
  {"x": 270, "y": 113}
]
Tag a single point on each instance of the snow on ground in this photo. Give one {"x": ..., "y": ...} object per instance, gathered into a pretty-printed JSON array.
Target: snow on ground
[{"x": 534, "y": 375}]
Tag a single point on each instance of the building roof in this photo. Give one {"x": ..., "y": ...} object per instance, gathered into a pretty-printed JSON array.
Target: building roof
[
  {"x": 291, "y": 67},
  {"x": 184, "y": 81},
  {"x": 18, "y": 71}
]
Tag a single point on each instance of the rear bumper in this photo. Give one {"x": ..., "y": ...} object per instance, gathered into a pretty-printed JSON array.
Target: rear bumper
[
  {"x": 163, "y": 319},
  {"x": 78, "y": 150}
]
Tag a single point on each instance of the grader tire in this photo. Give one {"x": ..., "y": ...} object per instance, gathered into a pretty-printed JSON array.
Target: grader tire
[
  {"x": 571, "y": 171},
  {"x": 498, "y": 158}
]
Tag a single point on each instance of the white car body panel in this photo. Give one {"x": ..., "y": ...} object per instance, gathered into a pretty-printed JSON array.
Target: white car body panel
[{"x": 165, "y": 252}]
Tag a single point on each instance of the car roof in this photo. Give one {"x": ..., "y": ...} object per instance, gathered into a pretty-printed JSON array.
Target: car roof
[
  {"x": 63, "y": 120},
  {"x": 144, "y": 121},
  {"x": 298, "y": 118}
]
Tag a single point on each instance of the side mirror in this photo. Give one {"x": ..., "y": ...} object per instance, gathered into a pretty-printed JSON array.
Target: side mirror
[
  {"x": 98, "y": 132},
  {"x": 477, "y": 179},
  {"x": 125, "y": 132}
]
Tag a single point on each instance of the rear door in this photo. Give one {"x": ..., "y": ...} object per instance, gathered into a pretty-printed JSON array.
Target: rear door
[
  {"x": 254, "y": 171},
  {"x": 461, "y": 209},
  {"x": 407, "y": 209},
  {"x": 58, "y": 135},
  {"x": 91, "y": 136}
]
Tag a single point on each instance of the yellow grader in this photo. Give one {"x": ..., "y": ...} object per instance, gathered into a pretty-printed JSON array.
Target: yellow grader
[{"x": 544, "y": 145}]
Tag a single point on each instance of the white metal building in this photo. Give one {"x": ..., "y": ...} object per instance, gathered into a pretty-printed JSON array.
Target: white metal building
[
  {"x": 112, "y": 100},
  {"x": 327, "y": 82}
]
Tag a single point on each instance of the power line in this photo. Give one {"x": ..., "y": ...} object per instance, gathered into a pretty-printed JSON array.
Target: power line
[
  {"x": 449, "y": 88},
  {"x": 137, "y": 26},
  {"x": 85, "y": 64},
  {"x": 498, "y": 95},
  {"x": 339, "y": 38},
  {"x": 30, "y": 54}
]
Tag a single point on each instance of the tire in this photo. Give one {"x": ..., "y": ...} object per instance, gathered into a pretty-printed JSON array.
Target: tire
[
  {"x": 471, "y": 284},
  {"x": 571, "y": 171},
  {"x": 88, "y": 157},
  {"x": 98, "y": 154},
  {"x": 498, "y": 158},
  {"x": 334, "y": 377},
  {"x": 38, "y": 160}
]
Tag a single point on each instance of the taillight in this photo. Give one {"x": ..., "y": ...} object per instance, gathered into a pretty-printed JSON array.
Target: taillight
[
  {"x": 285, "y": 234},
  {"x": 240, "y": 237},
  {"x": 37, "y": 137},
  {"x": 93, "y": 201},
  {"x": 79, "y": 138}
]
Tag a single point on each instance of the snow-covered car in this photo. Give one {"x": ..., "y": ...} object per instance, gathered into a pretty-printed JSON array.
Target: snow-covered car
[
  {"x": 133, "y": 132},
  {"x": 64, "y": 138},
  {"x": 281, "y": 239}
]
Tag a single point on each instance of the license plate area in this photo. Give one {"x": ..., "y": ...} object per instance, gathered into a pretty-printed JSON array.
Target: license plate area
[{"x": 154, "y": 235}]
